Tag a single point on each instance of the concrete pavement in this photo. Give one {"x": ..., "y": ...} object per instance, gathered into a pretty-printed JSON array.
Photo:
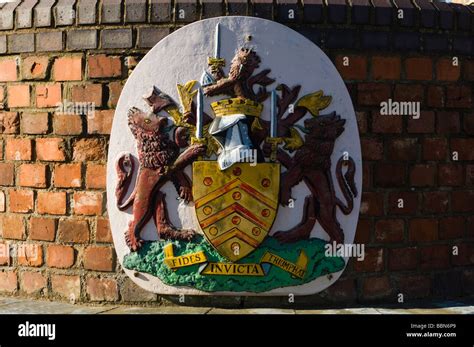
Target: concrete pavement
[{"x": 13, "y": 305}]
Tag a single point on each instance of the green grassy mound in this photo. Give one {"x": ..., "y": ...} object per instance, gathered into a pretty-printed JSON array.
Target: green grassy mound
[{"x": 149, "y": 259}]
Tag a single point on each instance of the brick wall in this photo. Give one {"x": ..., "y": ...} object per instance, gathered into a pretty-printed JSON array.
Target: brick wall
[{"x": 52, "y": 166}]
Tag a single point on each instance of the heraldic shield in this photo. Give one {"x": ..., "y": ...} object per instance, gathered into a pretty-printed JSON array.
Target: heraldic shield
[{"x": 236, "y": 207}]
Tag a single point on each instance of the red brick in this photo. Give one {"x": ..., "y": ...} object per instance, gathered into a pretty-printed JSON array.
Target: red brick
[
  {"x": 33, "y": 282},
  {"x": 366, "y": 176},
  {"x": 415, "y": 286},
  {"x": 88, "y": 203},
  {"x": 13, "y": 227},
  {"x": 423, "y": 230},
  {"x": 403, "y": 259},
  {"x": 67, "y": 176},
  {"x": 34, "y": 123},
  {"x": 9, "y": 123},
  {"x": 102, "y": 289},
  {"x": 468, "y": 123},
  {"x": 68, "y": 68},
  {"x": 352, "y": 67},
  {"x": 99, "y": 258},
  {"x": 5, "y": 256},
  {"x": 389, "y": 230},
  {"x": 2, "y": 201},
  {"x": 422, "y": 175},
  {"x": 60, "y": 256},
  {"x": 21, "y": 201},
  {"x": 468, "y": 70},
  {"x": 51, "y": 203},
  {"x": 451, "y": 228},
  {"x": 115, "y": 89},
  {"x": 96, "y": 176},
  {"x": 103, "y": 233},
  {"x": 463, "y": 147},
  {"x": 448, "y": 122},
  {"x": 409, "y": 92},
  {"x": 7, "y": 251},
  {"x": 402, "y": 149},
  {"x": 8, "y": 282},
  {"x": 469, "y": 175},
  {"x": 100, "y": 122},
  {"x": 372, "y": 94},
  {"x": 386, "y": 68},
  {"x": 67, "y": 124},
  {"x": 435, "y": 202},
  {"x": 48, "y": 95},
  {"x": 465, "y": 256},
  {"x": 352, "y": 90},
  {"x": 450, "y": 174},
  {"x": 67, "y": 286},
  {"x": 446, "y": 71},
  {"x": 18, "y": 95},
  {"x": 390, "y": 174},
  {"x": 419, "y": 69},
  {"x": 89, "y": 150},
  {"x": 8, "y": 70},
  {"x": 7, "y": 174},
  {"x": 42, "y": 229},
  {"x": 462, "y": 201},
  {"x": 50, "y": 149},
  {"x": 373, "y": 261},
  {"x": 371, "y": 204},
  {"x": 435, "y": 148},
  {"x": 342, "y": 290},
  {"x": 364, "y": 231},
  {"x": 386, "y": 124},
  {"x": 435, "y": 257},
  {"x": 100, "y": 66},
  {"x": 468, "y": 281},
  {"x": 18, "y": 149},
  {"x": 2, "y": 97},
  {"x": 131, "y": 62},
  {"x": 30, "y": 254},
  {"x": 423, "y": 125},
  {"x": 470, "y": 226},
  {"x": 73, "y": 230},
  {"x": 458, "y": 96},
  {"x": 35, "y": 67},
  {"x": 32, "y": 175},
  {"x": 372, "y": 148},
  {"x": 362, "y": 122},
  {"x": 410, "y": 203},
  {"x": 88, "y": 93},
  {"x": 376, "y": 287},
  {"x": 435, "y": 96}
]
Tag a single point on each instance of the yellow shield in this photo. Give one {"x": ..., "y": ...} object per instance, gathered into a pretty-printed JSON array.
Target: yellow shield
[{"x": 235, "y": 207}]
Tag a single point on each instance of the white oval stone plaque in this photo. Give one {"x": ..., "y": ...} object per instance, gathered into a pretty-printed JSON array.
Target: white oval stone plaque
[{"x": 234, "y": 164}]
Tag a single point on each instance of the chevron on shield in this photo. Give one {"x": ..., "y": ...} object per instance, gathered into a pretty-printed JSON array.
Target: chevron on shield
[{"x": 235, "y": 207}]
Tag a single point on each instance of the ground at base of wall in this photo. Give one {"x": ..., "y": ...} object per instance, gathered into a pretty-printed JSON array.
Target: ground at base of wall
[{"x": 9, "y": 305}]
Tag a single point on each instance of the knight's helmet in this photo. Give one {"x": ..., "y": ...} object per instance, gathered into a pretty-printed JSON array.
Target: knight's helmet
[{"x": 231, "y": 129}]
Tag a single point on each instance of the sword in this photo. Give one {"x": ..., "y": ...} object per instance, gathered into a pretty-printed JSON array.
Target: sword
[
  {"x": 199, "y": 134},
  {"x": 274, "y": 140},
  {"x": 199, "y": 113},
  {"x": 215, "y": 63}
]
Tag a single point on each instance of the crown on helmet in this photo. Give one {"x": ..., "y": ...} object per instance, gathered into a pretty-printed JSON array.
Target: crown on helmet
[{"x": 232, "y": 106}]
